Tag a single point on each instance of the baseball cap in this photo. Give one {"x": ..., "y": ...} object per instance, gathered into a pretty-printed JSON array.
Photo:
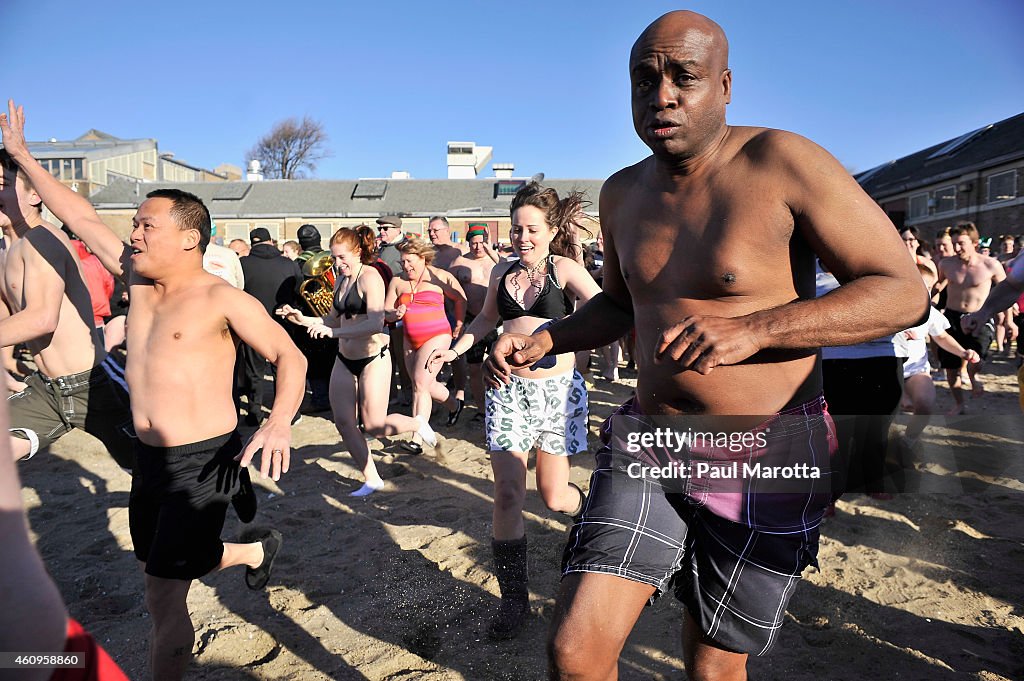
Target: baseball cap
[{"x": 259, "y": 235}]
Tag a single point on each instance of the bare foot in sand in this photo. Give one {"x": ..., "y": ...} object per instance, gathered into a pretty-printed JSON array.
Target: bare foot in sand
[{"x": 957, "y": 410}]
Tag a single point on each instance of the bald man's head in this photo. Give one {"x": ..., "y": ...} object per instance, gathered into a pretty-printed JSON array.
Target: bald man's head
[
  {"x": 676, "y": 25},
  {"x": 680, "y": 85}
]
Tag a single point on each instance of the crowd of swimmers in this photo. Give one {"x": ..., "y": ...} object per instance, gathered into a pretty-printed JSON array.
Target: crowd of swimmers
[{"x": 733, "y": 335}]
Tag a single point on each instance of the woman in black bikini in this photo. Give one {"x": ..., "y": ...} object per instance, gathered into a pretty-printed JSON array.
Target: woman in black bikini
[
  {"x": 362, "y": 372},
  {"x": 545, "y": 406}
]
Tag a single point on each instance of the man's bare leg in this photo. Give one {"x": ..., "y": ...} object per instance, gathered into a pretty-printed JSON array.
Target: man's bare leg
[
  {"x": 707, "y": 662},
  {"x": 476, "y": 385},
  {"x": 173, "y": 634},
  {"x": 977, "y": 387},
  {"x": 460, "y": 375},
  {"x": 956, "y": 388},
  {"x": 593, "y": 616}
]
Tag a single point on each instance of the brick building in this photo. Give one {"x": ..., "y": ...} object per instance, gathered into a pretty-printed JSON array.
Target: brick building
[{"x": 977, "y": 177}]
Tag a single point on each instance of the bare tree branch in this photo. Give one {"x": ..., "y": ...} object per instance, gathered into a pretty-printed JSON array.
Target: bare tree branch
[{"x": 291, "y": 148}]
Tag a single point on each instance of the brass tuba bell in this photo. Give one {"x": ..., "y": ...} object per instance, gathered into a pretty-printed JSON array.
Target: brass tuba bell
[{"x": 318, "y": 288}]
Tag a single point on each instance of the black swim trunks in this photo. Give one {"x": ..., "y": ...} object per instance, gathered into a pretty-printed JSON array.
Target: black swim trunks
[
  {"x": 178, "y": 502},
  {"x": 979, "y": 342}
]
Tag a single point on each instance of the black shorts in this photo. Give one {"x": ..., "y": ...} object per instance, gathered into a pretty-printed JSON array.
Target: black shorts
[
  {"x": 178, "y": 501},
  {"x": 734, "y": 581},
  {"x": 979, "y": 343},
  {"x": 475, "y": 355}
]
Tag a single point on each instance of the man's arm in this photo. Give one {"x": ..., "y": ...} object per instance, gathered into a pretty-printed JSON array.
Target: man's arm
[
  {"x": 607, "y": 316},
  {"x": 604, "y": 318},
  {"x": 881, "y": 291},
  {"x": 73, "y": 209},
  {"x": 42, "y": 295},
  {"x": 33, "y": 617},
  {"x": 251, "y": 323}
]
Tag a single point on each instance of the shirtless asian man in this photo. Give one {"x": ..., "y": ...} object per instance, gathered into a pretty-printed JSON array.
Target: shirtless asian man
[
  {"x": 709, "y": 251},
  {"x": 183, "y": 328}
]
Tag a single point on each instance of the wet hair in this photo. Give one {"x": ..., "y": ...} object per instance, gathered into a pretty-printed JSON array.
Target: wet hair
[
  {"x": 188, "y": 211},
  {"x": 417, "y": 245},
  {"x": 914, "y": 232},
  {"x": 562, "y": 214},
  {"x": 967, "y": 228},
  {"x": 359, "y": 239}
]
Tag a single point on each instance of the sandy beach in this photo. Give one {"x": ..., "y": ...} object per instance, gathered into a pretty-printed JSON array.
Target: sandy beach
[{"x": 397, "y": 586}]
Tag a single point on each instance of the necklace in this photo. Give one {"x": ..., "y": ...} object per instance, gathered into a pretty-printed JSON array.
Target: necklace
[
  {"x": 531, "y": 275},
  {"x": 412, "y": 297}
]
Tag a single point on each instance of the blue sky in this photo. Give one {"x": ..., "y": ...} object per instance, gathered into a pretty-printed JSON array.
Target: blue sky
[{"x": 544, "y": 83}]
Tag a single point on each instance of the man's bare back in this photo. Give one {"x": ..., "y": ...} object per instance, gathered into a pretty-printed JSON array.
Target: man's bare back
[{"x": 41, "y": 264}]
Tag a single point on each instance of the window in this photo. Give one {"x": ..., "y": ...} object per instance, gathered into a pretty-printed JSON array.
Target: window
[
  {"x": 918, "y": 207},
  {"x": 236, "y": 230},
  {"x": 945, "y": 199},
  {"x": 372, "y": 189},
  {"x": 508, "y": 187},
  {"x": 953, "y": 146},
  {"x": 1002, "y": 186}
]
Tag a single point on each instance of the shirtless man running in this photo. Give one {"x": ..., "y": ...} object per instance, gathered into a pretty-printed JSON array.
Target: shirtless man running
[
  {"x": 709, "y": 251},
  {"x": 183, "y": 328},
  {"x": 439, "y": 234},
  {"x": 473, "y": 270},
  {"x": 76, "y": 384},
  {"x": 968, "y": 277}
]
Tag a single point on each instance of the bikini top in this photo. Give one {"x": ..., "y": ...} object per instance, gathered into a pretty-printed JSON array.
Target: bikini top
[
  {"x": 354, "y": 303},
  {"x": 551, "y": 302}
]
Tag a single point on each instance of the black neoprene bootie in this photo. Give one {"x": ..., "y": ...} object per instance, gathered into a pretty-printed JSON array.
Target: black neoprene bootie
[{"x": 510, "y": 567}]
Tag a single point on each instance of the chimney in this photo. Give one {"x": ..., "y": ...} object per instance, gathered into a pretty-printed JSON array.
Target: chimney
[
  {"x": 466, "y": 159},
  {"x": 254, "y": 174},
  {"x": 504, "y": 171}
]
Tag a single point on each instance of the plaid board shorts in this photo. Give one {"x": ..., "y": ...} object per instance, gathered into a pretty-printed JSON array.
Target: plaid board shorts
[
  {"x": 547, "y": 413},
  {"x": 734, "y": 579}
]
